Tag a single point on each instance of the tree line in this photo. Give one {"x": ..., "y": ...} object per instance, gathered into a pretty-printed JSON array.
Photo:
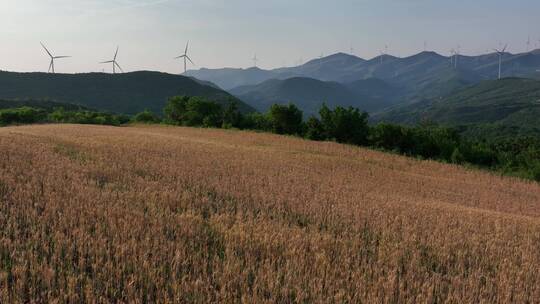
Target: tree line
[{"x": 517, "y": 156}]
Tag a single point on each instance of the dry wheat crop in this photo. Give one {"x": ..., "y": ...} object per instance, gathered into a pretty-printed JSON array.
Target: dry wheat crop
[{"x": 180, "y": 215}]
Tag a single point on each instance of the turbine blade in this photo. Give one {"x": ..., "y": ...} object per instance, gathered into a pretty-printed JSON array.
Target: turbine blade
[
  {"x": 187, "y": 45},
  {"x": 59, "y": 57},
  {"x": 46, "y": 50},
  {"x": 107, "y": 61},
  {"x": 116, "y": 53},
  {"x": 190, "y": 60},
  {"x": 116, "y": 63},
  {"x": 181, "y": 56}
]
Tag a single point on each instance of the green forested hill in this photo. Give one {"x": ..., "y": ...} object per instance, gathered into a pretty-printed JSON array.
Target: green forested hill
[
  {"x": 127, "y": 93},
  {"x": 511, "y": 104},
  {"x": 39, "y": 104}
]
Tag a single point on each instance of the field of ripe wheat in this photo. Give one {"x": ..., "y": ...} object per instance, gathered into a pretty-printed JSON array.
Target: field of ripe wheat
[{"x": 181, "y": 215}]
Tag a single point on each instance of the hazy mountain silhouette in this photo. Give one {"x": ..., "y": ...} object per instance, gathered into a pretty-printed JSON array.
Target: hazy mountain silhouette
[
  {"x": 423, "y": 75},
  {"x": 127, "y": 93},
  {"x": 309, "y": 94}
]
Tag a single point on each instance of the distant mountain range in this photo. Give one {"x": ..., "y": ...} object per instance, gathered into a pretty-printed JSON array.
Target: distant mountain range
[
  {"x": 309, "y": 94},
  {"x": 507, "y": 103},
  {"x": 127, "y": 93},
  {"x": 412, "y": 73},
  {"x": 426, "y": 75}
]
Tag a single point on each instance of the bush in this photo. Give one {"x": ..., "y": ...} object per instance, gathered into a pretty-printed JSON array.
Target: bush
[
  {"x": 257, "y": 121},
  {"x": 232, "y": 118},
  {"x": 457, "y": 157},
  {"x": 193, "y": 111},
  {"x": 314, "y": 129},
  {"x": 146, "y": 117},
  {"x": 86, "y": 117},
  {"x": 345, "y": 125},
  {"x": 24, "y": 115},
  {"x": 392, "y": 137},
  {"x": 285, "y": 119}
]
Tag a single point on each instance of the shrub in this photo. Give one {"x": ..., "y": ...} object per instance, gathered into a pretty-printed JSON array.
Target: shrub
[
  {"x": 193, "y": 111},
  {"x": 392, "y": 137},
  {"x": 146, "y": 117},
  {"x": 345, "y": 125},
  {"x": 257, "y": 121},
  {"x": 24, "y": 115},
  {"x": 285, "y": 119},
  {"x": 232, "y": 118},
  {"x": 314, "y": 129}
]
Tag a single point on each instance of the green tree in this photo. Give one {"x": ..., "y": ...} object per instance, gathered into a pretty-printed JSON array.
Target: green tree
[
  {"x": 315, "y": 129},
  {"x": 285, "y": 119},
  {"x": 257, "y": 121},
  {"x": 146, "y": 117},
  {"x": 175, "y": 109},
  {"x": 232, "y": 118},
  {"x": 193, "y": 111},
  {"x": 345, "y": 125}
]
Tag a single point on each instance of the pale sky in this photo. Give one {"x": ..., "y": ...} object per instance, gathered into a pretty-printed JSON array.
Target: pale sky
[{"x": 227, "y": 33}]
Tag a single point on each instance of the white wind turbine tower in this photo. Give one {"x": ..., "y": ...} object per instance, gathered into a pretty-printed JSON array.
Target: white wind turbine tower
[
  {"x": 114, "y": 62},
  {"x": 51, "y": 65},
  {"x": 452, "y": 54},
  {"x": 501, "y": 53},
  {"x": 255, "y": 60},
  {"x": 456, "y": 56},
  {"x": 384, "y": 53},
  {"x": 186, "y": 57}
]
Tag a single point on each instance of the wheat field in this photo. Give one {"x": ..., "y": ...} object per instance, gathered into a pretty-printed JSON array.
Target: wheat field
[{"x": 141, "y": 214}]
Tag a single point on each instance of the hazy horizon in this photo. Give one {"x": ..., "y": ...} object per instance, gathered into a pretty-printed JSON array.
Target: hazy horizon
[{"x": 227, "y": 34}]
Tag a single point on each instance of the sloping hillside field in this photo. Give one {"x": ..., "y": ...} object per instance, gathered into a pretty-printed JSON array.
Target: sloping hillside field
[{"x": 180, "y": 215}]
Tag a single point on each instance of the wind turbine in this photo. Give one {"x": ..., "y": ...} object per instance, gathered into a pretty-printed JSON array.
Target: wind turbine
[
  {"x": 501, "y": 53},
  {"x": 114, "y": 62},
  {"x": 384, "y": 53},
  {"x": 528, "y": 43},
  {"x": 51, "y": 65},
  {"x": 255, "y": 60},
  {"x": 452, "y": 54},
  {"x": 456, "y": 56},
  {"x": 186, "y": 57}
]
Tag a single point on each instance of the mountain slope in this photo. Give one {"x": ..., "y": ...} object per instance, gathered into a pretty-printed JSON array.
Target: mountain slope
[
  {"x": 39, "y": 104},
  {"x": 127, "y": 93},
  {"x": 508, "y": 102},
  {"x": 309, "y": 94},
  {"x": 424, "y": 75}
]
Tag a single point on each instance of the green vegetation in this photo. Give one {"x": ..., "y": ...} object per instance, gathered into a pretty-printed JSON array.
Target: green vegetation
[
  {"x": 87, "y": 117},
  {"x": 285, "y": 119},
  {"x": 499, "y": 108},
  {"x": 146, "y": 116},
  {"x": 28, "y": 115},
  {"x": 518, "y": 156},
  {"x": 309, "y": 94},
  {"x": 24, "y": 115},
  {"x": 511, "y": 155},
  {"x": 193, "y": 111},
  {"x": 127, "y": 93}
]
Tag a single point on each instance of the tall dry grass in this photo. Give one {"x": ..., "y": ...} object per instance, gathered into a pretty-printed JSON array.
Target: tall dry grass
[{"x": 178, "y": 215}]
